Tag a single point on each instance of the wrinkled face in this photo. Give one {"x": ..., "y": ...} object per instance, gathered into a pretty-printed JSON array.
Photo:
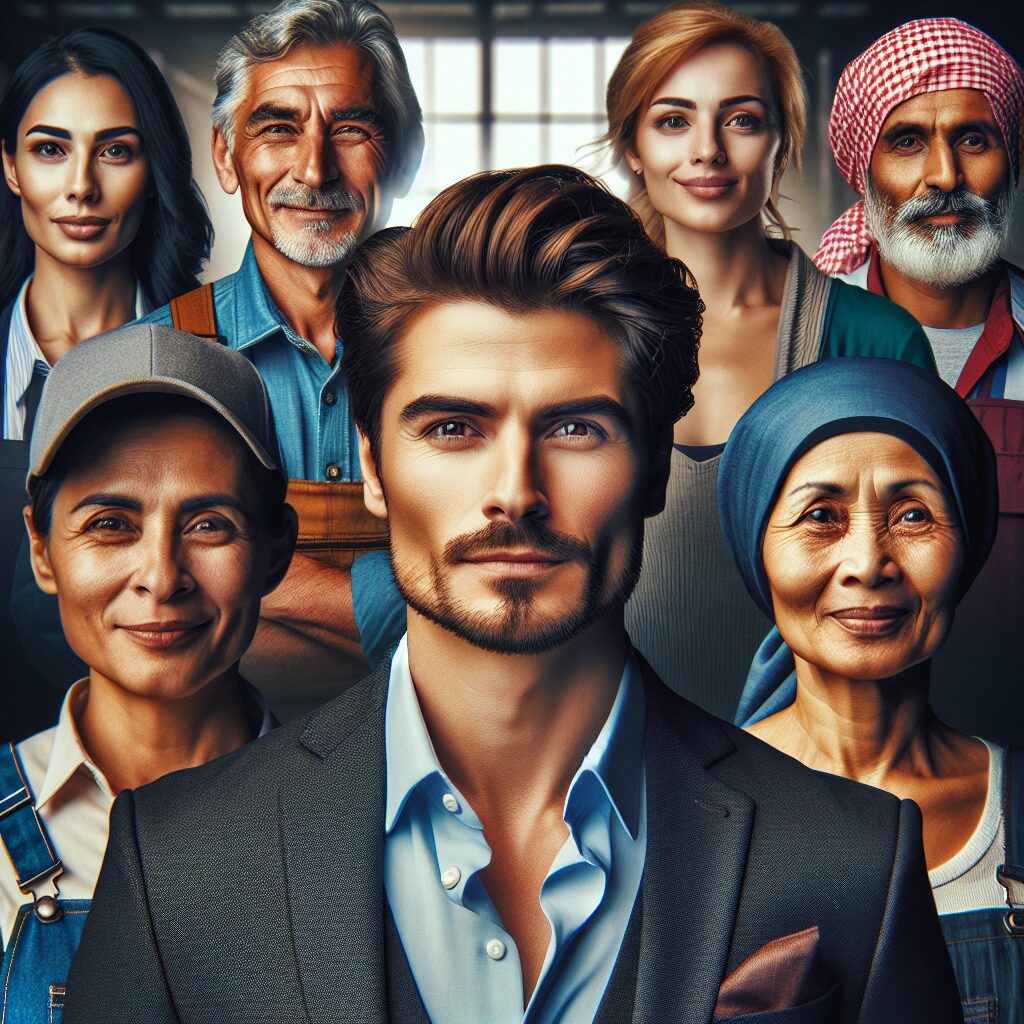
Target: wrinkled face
[
  {"x": 863, "y": 554},
  {"x": 708, "y": 145},
  {"x": 158, "y": 556},
  {"x": 515, "y": 473},
  {"x": 939, "y": 188},
  {"x": 80, "y": 169},
  {"x": 307, "y": 154}
]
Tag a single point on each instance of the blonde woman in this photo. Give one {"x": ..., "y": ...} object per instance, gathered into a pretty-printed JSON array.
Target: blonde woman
[{"x": 706, "y": 108}]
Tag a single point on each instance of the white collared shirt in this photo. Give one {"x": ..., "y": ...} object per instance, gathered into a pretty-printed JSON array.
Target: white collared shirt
[
  {"x": 25, "y": 357},
  {"x": 73, "y": 800}
]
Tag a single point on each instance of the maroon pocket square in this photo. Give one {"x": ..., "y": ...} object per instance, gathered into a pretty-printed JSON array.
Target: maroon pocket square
[{"x": 786, "y": 972}]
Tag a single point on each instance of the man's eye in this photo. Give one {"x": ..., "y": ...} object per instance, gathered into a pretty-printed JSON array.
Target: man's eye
[
  {"x": 907, "y": 143},
  {"x": 352, "y": 131},
  {"x": 278, "y": 129},
  {"x": 450, "y": 428},
  {"x": 573, "y": 430}
]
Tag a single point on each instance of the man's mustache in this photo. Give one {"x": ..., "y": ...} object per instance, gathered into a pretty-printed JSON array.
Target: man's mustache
[
  {"x": 533, "y": 534},
  {"x": 330, "y": 198},
  {"x": 933, "y": 204}
]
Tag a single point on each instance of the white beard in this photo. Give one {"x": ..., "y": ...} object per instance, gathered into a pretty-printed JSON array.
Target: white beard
[
  {"x": 309, "y": 248},
  {"x": 944, "y": 255}
]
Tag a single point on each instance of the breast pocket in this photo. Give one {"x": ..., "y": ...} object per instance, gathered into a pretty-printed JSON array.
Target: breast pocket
[{"x": 823, "y": 1010}]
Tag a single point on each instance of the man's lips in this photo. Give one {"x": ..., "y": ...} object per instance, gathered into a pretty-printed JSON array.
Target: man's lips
[
  {"x": 81, "y": 227},
  {"x": 871, "y": 620},
  {"x": 161, "y": 635},
  {"x": 710, "y": 187},
  {"x": 516, "y": 562}
]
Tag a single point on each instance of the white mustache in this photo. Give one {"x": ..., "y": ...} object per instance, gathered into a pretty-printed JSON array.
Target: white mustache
[{"x": 332, "y": 199}]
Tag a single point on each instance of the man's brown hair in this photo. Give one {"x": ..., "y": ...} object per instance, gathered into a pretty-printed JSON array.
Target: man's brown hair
[{"x": 525, "y": 240}]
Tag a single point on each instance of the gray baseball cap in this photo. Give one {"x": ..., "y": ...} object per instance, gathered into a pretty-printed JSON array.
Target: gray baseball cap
[{"x": 142, "y": 358}]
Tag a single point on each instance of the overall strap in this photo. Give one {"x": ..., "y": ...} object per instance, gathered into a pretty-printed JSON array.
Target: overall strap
[
  {"x": 193, "y": 313},
  {"x": 1011, "y": 874},
  {"x": 21, "y": 832}
]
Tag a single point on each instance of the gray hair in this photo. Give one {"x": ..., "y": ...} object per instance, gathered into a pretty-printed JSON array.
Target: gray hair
[{"x": 356, "y": 23}]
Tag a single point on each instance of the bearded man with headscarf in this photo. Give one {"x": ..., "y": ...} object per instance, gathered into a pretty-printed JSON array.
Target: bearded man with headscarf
[{"x": 928, "y": 126}]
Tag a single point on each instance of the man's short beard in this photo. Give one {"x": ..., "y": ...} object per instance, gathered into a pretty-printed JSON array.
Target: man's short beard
[
  {"x": 940, "y": 255},
  {"x": 310, "y": 246},
  {"x": 509, "y": 629}
]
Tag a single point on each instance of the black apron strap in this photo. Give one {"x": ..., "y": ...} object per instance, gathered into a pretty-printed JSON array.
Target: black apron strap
[
  {"x": 32, "y": 396},
  {"x": 1011, "y": 874}
]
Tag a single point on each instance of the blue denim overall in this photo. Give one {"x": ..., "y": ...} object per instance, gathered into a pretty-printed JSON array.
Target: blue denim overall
[
  {"x": 46, "y": 931},
  {"x": 987, "y": 946}
]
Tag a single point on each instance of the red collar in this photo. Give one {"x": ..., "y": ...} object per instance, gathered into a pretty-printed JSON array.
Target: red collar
[{"x": 995, "y": 338}]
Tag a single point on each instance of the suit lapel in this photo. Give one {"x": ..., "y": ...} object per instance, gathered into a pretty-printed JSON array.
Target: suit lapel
[
  {"x": 698, "y": 832},
  {"x": 332, "y": 831}
]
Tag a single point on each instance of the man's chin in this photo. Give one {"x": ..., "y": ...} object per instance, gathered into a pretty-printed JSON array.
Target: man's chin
[{"x": 316, "y": 251}]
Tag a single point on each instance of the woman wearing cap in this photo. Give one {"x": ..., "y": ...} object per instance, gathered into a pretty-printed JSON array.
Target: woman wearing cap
[
  {"x": 706, "y": 108},
  {"x": 859, "y": 500},
  {"x": 157, "y": 517},
  {"x": 100, "y": 221}
]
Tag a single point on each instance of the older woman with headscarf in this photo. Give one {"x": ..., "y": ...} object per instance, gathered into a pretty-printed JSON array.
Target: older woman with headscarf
[
  {"x": 858, "y": 498},
  {"x": 928, "y": 126}
]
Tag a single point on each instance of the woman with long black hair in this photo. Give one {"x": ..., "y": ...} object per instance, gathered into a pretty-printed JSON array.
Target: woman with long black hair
[{"x": 100, "y": 221}]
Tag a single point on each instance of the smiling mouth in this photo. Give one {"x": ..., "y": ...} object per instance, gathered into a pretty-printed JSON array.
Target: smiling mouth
[
  {"x": 163, "y": 635},
  {"x": 880, "y": 620},
  {"x": 707, "y": 188}
]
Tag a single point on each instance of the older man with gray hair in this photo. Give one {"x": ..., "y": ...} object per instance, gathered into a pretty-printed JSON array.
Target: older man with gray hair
[{"x": 317, "y": 126}]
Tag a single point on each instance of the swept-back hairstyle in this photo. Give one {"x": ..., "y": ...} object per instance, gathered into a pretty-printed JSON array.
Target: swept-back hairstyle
[
  {"x": 176, "y": 234},
  {"x": 356, "y": 23},
  {"x": 675, "y": 34},
  {"x": 525, "y": 240}
]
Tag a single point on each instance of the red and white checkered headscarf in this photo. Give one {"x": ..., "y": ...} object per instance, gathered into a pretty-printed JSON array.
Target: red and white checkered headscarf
[{"x": 928, "y": 55}]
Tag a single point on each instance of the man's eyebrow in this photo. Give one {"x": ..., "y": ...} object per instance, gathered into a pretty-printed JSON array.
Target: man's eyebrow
[
  {"x": 365, "y": 114},
  {"x": 211, "y": 501},
  {"x": 113, "y": 133},
  {"x": 904, "y": 128},
  {"x": 427, "y": 405},
  {"x": 271, "y": 112},
  {"x": 109, "y": 500},
  {"x": 595, "y": 405},
  {"x": 45, "y": 129}
]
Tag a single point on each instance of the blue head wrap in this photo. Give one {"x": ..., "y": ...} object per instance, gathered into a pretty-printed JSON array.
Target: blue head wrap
[{"x": 828, "y": 398}]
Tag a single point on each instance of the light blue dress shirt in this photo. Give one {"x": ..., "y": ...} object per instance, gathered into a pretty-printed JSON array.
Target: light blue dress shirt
[
  {"x": 312, "y": 418},
  {"x": 465, "y": 963}
]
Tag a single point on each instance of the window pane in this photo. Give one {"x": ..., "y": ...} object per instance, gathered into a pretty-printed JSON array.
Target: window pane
[
  {"x": 515, "y": 145},
  {"x": 415, "y": 57},
  {"x": 517, "y": 76},
  {"x": 570, "y": 143},
  {"x": 457, "y": 76},
  {"x": 574, "y": 88},
  {"x": 456, "y": 153}
]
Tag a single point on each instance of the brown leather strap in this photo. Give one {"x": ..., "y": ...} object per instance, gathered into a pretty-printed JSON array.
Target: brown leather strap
[
  {"x": 193, "y": 312},
  {"x": 334, "y": 524}
]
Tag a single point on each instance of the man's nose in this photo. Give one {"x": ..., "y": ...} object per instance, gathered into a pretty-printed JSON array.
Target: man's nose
[
  {"x": 942, "y": 169},
  {"x": 516, "y": 491},
  {"x": 316, "y": 161}
]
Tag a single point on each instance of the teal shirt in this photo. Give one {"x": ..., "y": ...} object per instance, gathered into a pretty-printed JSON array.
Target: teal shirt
[{"x": 859, "y": 323}]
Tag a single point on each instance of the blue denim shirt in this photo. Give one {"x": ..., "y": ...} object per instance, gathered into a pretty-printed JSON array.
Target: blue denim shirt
[
  {"x": 315, "y": 430},
  {"x": 465, "y": 964}
]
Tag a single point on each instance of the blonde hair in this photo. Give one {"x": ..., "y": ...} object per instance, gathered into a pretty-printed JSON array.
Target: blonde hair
[{"x": 676, "y": 34}]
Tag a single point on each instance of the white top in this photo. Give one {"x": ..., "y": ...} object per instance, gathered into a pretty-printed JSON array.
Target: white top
[
  {"x": 967, "y": 881},
  {"x": 24, "y": 357},
  {"x": 951, "y": 346},
  {"x": 73, "y": 800}
]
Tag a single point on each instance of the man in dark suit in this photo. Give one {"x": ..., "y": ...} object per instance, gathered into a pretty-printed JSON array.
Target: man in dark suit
[{"x": 513, "y": 819}]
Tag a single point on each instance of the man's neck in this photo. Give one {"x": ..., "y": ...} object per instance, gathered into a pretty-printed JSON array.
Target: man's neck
[
  {"x": 961, "y": 306},
  {"x": 512, "y": 730},
  {"x": 306, "y": 296}
]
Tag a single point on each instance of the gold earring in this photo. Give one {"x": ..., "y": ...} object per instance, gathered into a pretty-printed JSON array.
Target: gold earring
[{"x": 638, "y": 171}]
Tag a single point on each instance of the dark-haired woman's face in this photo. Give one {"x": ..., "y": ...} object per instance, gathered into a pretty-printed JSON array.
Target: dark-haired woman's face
[
  {"x": 863, "y": 554},
  {"x": 80, "y": 170}
]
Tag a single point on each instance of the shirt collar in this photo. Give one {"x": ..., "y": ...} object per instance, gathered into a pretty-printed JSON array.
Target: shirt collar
[
  {"x": 251, "y": 310},
  {"x": 615, "y": 758},
  {"x": 68, "y": 753}
]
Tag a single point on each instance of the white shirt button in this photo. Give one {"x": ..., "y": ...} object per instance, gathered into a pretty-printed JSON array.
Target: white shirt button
[
  {"x": 450, "y": 803},
  {"x": 495, "y": 949},
  {"x": 450, "y": 877}
]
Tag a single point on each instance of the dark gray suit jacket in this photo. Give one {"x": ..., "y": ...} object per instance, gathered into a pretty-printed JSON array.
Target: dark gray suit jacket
[{"x": 251, "y": 889}]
